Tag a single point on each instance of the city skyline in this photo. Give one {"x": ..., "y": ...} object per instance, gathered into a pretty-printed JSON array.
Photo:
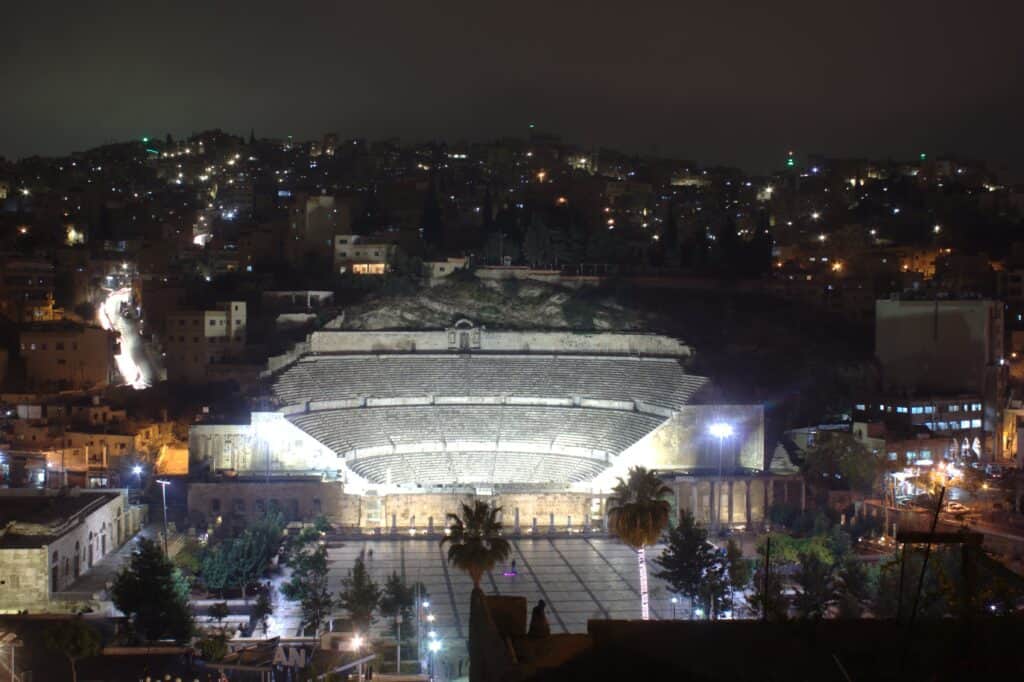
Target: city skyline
[{"x": 720, "y": 86}]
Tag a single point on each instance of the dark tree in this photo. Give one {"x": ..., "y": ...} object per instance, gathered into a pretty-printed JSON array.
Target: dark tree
[
  {"x": 153, "y": 593},
  {"x": 687, "y": 558},
  {"x": 74, "y": 640},
  {"x": 308, "y": 585},
  {"x": 359, "y": 595},
  {"x": 815, "y": 586}
]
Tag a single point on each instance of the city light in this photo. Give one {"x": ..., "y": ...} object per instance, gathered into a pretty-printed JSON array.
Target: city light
[
  {"x": 434, "y": 646},
  {"x": 357, "y": 642},
  {"x": 720, "y": 430},
  {"x": 136, "y": 470}
]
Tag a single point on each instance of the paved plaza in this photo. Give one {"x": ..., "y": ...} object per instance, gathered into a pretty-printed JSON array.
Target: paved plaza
[{"x": 579, "y": 578}]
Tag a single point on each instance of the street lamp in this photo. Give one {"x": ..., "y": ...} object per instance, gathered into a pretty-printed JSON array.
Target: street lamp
[
  {"x": 721, "y": 431},
  {"x": 163, "y": 491},
  {"x": 675, "y": 600}
]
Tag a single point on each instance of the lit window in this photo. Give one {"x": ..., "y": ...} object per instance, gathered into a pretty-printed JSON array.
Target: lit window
[
  {"x": 917, "y": 409},
  {"x": 953, "y": 408},
  {"x": 901, "y": 409},
  {"x": 976, "y": 407},
  {"x": 892, "y": 456},
  {"x": 929, "y": 409},
  {"x": 965, "y": 423},
  {"x": 926, "y": 454},
  {"x": 859, "y": 406},
  {"x": 975, "y": 423},
  {"x": 911, "y": 455}
]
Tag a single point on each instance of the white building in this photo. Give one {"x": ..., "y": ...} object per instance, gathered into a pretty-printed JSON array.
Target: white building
[{"x": 352, "y": 254}]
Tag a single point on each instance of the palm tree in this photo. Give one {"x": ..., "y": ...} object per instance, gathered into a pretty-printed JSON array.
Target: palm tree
[
  {"x": 475, "y": 542},
  {"x": 638, "y": 515}
]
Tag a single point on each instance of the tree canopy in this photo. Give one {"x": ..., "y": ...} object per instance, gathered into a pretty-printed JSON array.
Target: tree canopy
[
  {"x": 154, "y": 594},
  {"x": 475, "y": 543}
]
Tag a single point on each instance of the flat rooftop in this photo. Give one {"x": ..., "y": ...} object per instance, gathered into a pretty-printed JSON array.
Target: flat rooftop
[{"x": 43, "y": 510}]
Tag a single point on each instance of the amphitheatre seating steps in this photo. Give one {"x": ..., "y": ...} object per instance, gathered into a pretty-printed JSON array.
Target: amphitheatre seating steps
[{"x": 657, "y": 382}]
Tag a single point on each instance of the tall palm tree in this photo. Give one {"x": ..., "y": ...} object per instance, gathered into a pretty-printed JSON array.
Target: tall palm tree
[
  {"x": 638, "y": 515},
  {"x": 475, "y": 542}
]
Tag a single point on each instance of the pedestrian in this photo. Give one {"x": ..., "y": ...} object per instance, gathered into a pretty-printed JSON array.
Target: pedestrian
[{"x": 539, "y": 626}]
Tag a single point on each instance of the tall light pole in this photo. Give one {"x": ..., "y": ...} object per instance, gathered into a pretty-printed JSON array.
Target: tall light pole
[
  {"x": 721, "y": 431},
  {"x": 163, "y": 491},
  {"x": 675, "y": 600}
]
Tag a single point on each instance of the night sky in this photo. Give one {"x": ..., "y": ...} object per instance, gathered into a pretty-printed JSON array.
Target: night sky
[{"x": 715, "y": 81}]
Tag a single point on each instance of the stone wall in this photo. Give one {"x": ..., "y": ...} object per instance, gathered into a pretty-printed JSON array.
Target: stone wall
[
  {"x": 596, "y": 343},
  {"x": 240, "y": 502},
  {"x": 423, "y": 511}
]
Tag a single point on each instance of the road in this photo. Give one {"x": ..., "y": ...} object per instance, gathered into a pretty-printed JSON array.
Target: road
[{"x": 132, "y": 362}]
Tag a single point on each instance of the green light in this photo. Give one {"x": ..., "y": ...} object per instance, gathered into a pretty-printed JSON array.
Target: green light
[
  {"x": 145, "y": 140},
  {"x": 790, "y": 162},
  {"x": 923, "y": 156}
]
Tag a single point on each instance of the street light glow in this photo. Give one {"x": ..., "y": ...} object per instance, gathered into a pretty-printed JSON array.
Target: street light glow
[
  {"x": 434, "y": 646},
  {"x": 720, "y": 430},
  {"x": 136, "y": 469},
  {"x": 357, "y": 641}
]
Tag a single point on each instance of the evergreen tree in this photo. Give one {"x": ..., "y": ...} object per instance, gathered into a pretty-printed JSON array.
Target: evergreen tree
[
  {"x": 263, "y": 609},
  {"x": 308, "y": 585},
  {"x": 737, "y": 568},
  {"x": 686, "y": 558},
  {"x": 215, "y": 567},
  {"x": 359, "y": 595},
  {"x": 153, "y": 593}
]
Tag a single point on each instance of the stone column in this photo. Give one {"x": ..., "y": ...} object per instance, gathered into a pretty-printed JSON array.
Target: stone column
[
  {"x": 712, "y": 504},
  {"x": 746, "y": 500},
  {"x": 729, "y": 490}
]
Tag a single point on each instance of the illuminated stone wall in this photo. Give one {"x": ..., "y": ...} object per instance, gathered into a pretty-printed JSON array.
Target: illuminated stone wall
[{"x": 497, "y": 341}]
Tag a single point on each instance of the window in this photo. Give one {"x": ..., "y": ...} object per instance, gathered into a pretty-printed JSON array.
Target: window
[
  {"x": 911, "y": 455},
  {"x": 975, "y": 423},
  {"x": 213, "y": 323},
  {"x": 215, "y": 505},
  {"x": 929, "y": 409},
  {"x": 926, "y": 454},
  {"x": 43, "y": 346},
  {"x": 892, "y": 456},
  {"x": 916, "y": 409},
  {"x": 858, "y": 406},
  {"x": 942, "y": 426},
  {"x": 61, "y": 361},
  {"x": 901, "y": 409},
  {"x": 965, "y": 423},
  {"x": 953, "y": 408},
  {"x": 976, "y": 407}
]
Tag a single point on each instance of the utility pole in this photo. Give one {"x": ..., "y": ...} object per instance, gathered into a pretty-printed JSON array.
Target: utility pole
[{"x": 163, "y": 491}]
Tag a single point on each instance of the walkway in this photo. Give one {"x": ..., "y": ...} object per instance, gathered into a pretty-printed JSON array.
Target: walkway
[{"x": 98, "y": 578}]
